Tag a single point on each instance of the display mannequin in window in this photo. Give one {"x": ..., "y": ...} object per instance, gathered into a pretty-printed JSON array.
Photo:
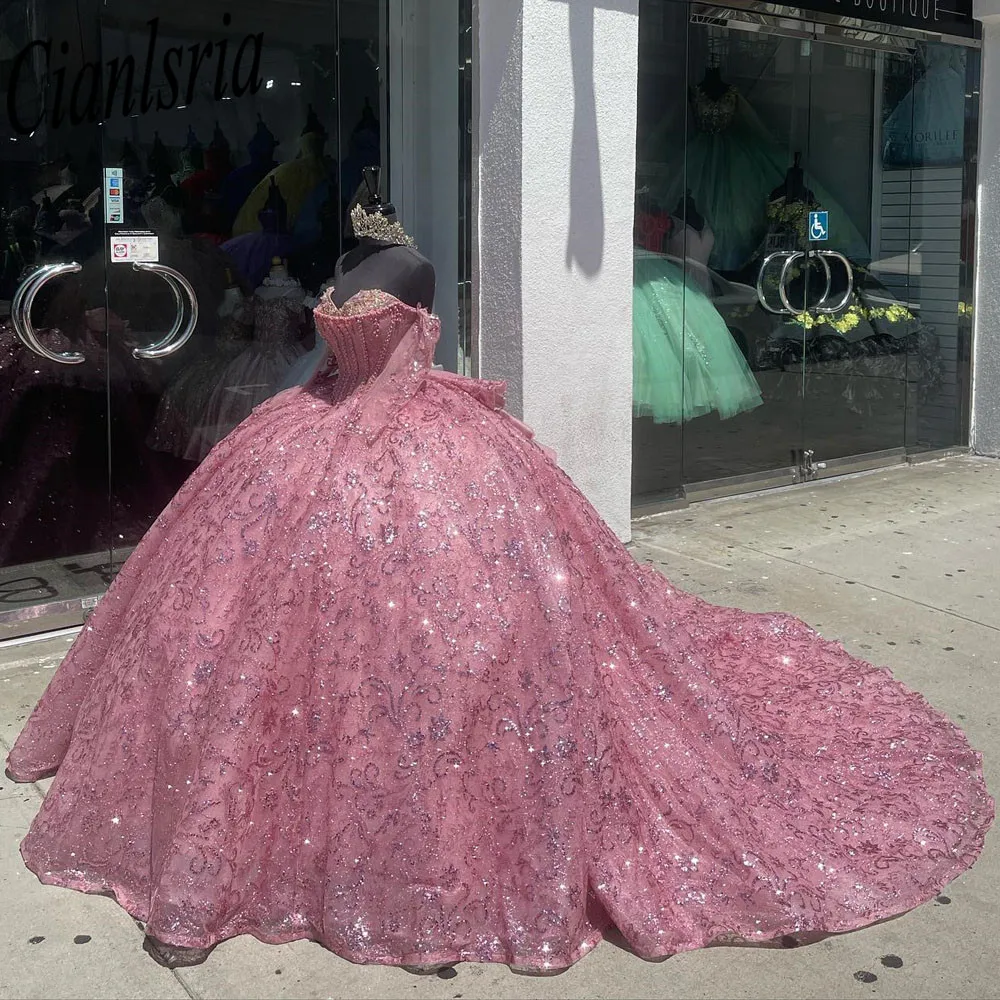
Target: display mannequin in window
[
  {"x": 731, "y": 164},
  {"x": 692, "y": 238},
  {"x": 297, "y": 179},
  {"x": 385, "y": 258},
  {"x": 685, "y": 362}
]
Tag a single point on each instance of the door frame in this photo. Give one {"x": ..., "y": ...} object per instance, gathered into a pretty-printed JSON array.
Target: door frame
[{"x": 759, "y": 16}]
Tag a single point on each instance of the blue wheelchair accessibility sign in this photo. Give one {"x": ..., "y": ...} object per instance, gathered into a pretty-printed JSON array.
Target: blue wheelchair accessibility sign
[{"x": 819, "y": 226}]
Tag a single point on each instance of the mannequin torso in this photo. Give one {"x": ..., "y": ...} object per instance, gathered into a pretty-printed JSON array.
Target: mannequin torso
[
  {"x": 373, "y": 264},
  {"x": 377, "y": 264}
]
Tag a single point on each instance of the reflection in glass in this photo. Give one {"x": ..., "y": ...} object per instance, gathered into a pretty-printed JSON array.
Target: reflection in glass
[
  {"x": 54, "y": 502},
  {"x": 238, "y": 138},
  {"x": 853, "y": 336}
]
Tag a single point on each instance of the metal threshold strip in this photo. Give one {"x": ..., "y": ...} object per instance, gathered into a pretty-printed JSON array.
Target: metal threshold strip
[
  {"x": 782, "y": 478},
  {"x": 44, "y": 617},
  {"x": 800, "y": 22}
]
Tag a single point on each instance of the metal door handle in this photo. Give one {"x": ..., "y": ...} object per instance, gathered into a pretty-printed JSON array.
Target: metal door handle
[
  {"x": 180, "y": 332},
  {"x": 20, "y": 312},
  {"x": 783, "y": 285},
  {"x": 790, "y": 258},
  {"x": 761, "y": 296},
  {"x": 790, "y": 310},
  {"x": 846, "y": 297}
]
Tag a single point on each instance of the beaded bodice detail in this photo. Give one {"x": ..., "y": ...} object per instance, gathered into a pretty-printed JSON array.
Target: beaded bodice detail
[
  {"x": 372, "y": 329},
  {"x": 235, "y": 329},
  {"x": 711, "y": 114},
  {"x": 277, "y": 322}
]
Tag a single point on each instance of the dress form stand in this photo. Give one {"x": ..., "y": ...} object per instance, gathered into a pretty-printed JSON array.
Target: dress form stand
[
  {"x": 385, "y": 257},
  {"x": 712, "y": 84},
  {"x": 793, "y": 189}
]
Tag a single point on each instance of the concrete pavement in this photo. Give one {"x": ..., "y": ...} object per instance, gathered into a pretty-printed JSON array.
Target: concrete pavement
[{"x": 901, "y": 566}]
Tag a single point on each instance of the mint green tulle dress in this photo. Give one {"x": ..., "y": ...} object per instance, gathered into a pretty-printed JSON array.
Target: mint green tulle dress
[
  {"x": 685, "y": 362},
  {"x": 732, "y": 165}
]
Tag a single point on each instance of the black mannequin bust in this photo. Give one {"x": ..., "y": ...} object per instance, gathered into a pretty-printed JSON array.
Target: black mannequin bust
[
  {"x": 794, "y": 189},
  {"x": 399, "y": 270},
  {"x": 687, "y": 212},
  {"x": 385, "y": 258},
  {"x": 712, "y": 83}
]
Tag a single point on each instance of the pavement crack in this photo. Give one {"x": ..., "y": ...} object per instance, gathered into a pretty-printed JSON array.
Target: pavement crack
[{"x": 185, "y": 986}]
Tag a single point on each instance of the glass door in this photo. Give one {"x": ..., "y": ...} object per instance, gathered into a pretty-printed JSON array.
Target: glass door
[
  {"x": 858, "y": 329},
  {"x": 810, "y": 183},
  {"x": 717, "y": 367},
  {"x": 176, "y": 188},
  {"x": 884, "y": 376},
  {"x": 55, "y": 528},
  {"x": 226, "y": 131},
  {"x": 748, "y": 281}
]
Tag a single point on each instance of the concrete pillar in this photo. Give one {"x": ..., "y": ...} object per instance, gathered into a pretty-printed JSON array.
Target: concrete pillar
[
  {"x": 557, "y": 106},
  {"x": 985, "y": 429}
]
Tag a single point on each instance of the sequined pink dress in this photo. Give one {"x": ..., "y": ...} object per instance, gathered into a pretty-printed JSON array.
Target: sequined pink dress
[{"x": 379, "y": 676}]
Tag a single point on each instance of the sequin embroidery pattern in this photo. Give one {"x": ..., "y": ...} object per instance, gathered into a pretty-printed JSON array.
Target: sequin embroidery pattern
[
  {"x": 380, "y": 677},
  {"x": 714, "y": 115}
]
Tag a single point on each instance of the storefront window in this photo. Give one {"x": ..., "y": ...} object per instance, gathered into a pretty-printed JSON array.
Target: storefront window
[
  {"x": 802, "y": 258},
  {"x": 221, "y": 148}
]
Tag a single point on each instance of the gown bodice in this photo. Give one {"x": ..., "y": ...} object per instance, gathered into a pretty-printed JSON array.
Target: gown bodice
[
  {"x": 234, "y": 330},
  {"x": 711, "y": 114},
  {"x": 372, "y": 329},
  {"x": 278, "y": 321}
]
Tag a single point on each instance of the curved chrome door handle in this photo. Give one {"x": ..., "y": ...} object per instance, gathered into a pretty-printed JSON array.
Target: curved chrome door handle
[
  {"x": 180, "y": 332},
  {"x": 848, "y": 294},
  {"x": 761, "y": 296},
  {"x": 790, "y": 310},
  {"x": 20, "y": 312},
  {"x": 783, "y": 284}
]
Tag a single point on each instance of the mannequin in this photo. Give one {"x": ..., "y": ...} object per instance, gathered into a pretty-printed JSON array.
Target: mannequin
[
  {"x": 712, "y": 83},
  {"x": 297, "y": 179},
  {"x": 279, "y": 284},
  {"x": 379, "y": 261},
  {"x": 160, "y": 166},
  {"x": 279, "y": 317},
  {"x": 253, "y": 253},
  {"x": 687, "y": 212},
  {"x": 192, "y": 157},
  {"x": 384, "y": 259},
  {"x": 385, "y": 256},
  {"x": 239, "y": 184},
  {"x": 203, "y": 202},
  {"x": 794, "y": 189}
]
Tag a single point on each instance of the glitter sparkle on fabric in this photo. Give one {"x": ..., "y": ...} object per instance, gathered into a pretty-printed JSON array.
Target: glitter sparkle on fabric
[{"x": 379, "y": 676}]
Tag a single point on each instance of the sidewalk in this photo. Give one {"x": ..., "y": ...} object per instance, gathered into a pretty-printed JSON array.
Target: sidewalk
[{"x": 901, "y": 566}]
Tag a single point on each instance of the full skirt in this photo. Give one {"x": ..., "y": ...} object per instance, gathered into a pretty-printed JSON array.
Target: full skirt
[
  {"x": 410, "y": 697},
  {"x": 685, "y": 362}
]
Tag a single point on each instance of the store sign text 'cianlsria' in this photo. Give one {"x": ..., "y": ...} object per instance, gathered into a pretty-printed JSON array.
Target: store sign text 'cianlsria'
[{"x": 97, "y": 91}]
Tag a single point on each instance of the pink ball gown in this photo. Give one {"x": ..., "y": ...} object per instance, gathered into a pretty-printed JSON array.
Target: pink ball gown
[{"x": 379, "y": 676}]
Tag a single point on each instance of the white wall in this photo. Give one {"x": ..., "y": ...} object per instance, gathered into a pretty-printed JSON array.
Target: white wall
[
  {"x": 985, "y": 431},
  {"x": 556, "y": 209}
]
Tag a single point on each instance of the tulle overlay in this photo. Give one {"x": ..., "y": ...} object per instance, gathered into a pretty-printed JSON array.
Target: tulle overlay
[
  {"x": 685, "y": 362},
  {"x": 379, "y": 676},
  {"x": 730, "y": 174}
]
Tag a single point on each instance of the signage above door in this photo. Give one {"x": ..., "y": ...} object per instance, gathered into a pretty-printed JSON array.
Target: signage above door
[{"x": 949, "y": 17}]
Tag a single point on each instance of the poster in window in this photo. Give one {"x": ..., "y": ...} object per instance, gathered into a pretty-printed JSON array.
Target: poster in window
[{"x": 924, "y": 102}]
